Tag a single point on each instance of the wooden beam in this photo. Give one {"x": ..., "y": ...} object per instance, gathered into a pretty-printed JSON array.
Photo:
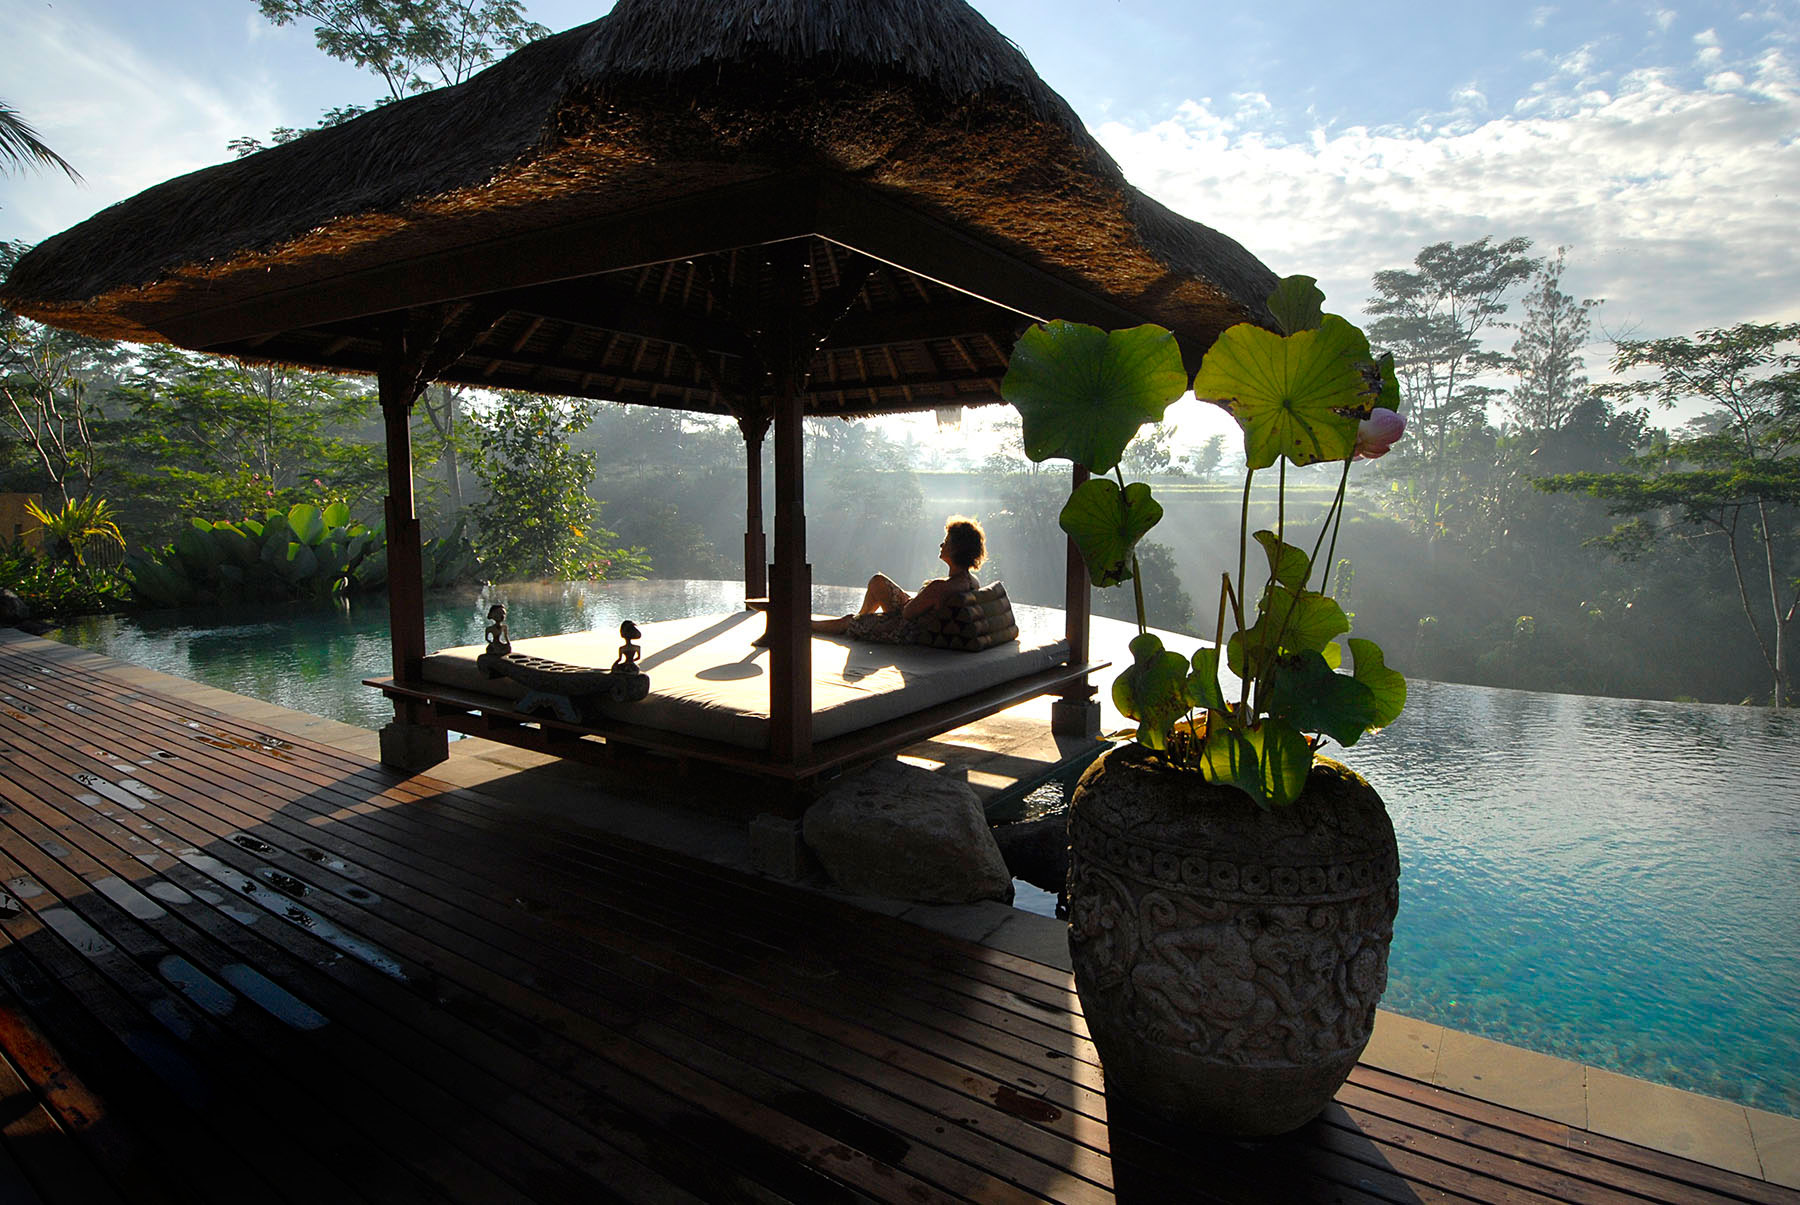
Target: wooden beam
[
  {"x": 743, "y": 215},
  {"x": 415, "y": 346},
  {"x": 850, "y": 407},
  {"x": 399, "y": 386},
  {"x": 860, "y": 217},
  {"x": 953, "y": 317},
  {"x": 494, "y": 717},
  {"x": 1076, "y": 605},
  {"x": 835, "y": 303},
  {"x": 756, "y": 548},
  {"x": 582, "y": 304},
  {"x": 908, "y": 380}
]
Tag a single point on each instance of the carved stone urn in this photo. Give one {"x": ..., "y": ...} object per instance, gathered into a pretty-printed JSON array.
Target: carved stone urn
[{"x": 1229, "y": 959}]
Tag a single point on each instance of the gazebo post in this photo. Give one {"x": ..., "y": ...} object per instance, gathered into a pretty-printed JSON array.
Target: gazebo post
[
  {"x": 790, "y": 582},
  {"x": 790, "y": 589},
  {"x": 406, "y": 744},
  {"x": 756, "y": 548},
  {"x": 1076, "y": 712}
]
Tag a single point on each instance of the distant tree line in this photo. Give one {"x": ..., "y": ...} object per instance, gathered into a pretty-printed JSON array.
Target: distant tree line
[{"x": 1543, "y": 532}]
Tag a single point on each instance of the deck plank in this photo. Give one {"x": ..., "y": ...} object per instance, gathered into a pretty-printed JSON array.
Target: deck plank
[
  {"x": 237, "y": 864},
  {"x": 524, "y": 1010}
]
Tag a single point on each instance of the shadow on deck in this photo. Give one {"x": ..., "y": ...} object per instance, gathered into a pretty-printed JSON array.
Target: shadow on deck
[{"x": 240, "y": 967}]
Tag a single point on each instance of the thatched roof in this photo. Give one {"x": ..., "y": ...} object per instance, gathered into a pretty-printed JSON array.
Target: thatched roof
[{"x": 593, "y": 205}]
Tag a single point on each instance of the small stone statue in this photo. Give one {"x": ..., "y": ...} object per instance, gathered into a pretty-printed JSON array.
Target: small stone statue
[
  {"x": 628, "y": 652},
  {"x": 497, "y": 642}
]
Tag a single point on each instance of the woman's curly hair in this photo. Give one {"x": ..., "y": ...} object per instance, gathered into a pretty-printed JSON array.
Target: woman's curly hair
[{"x": 967, "y": 543}]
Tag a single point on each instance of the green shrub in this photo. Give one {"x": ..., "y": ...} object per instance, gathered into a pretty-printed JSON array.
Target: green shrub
[
  {"x": 54, "y": 589},
  {"x": 305, "y": 552},
  {"x": 446, "y": 561}
]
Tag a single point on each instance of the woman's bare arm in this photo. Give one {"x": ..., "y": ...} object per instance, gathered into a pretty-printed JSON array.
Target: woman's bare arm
[{"x": 930, "y": 595}]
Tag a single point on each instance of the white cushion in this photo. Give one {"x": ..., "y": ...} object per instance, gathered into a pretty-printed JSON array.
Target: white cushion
[{"x": 708, "y": 680}]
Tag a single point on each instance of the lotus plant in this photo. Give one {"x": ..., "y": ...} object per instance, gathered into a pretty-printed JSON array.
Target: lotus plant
[{"x": 1312, "y": 392}]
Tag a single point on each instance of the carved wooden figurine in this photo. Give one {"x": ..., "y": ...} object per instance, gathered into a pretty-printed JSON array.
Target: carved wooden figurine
[
  {"x": 497, "y": 641},
  {"x": 628, "y": 652}
]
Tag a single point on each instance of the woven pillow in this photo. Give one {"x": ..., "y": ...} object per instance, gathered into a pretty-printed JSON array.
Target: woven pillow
[{"x": 969, "y": 622}]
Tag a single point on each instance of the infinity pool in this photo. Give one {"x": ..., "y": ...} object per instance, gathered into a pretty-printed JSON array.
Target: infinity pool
[
  {"x": 1614, "y": 881},
  {"x": 1611, "y": 881}
]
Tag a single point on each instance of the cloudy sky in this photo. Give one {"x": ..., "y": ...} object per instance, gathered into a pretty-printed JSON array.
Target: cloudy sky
[{"x": 1657, "y": 141}]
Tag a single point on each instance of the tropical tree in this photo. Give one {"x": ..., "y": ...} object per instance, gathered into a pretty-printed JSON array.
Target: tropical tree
[
  {"x": 46, "y": 385},
  {"x": 1546, "y": 357},
  {"x": 1166, "y": 603},
  {"x": 1733, "y": 481},
  {"x": 441, "y": 443},
  {"x": 1433, "y": 317},
  {"x": 1151, "y": 454},
  {"x": 1205, "y": 460},
  {"x": 538, "y": 520},
  {"x": 412, "y": 45},
  {"x": 409, "y": 45},
  {"x": 217, "y": 437},
  {"x": 672, "y": 482}
]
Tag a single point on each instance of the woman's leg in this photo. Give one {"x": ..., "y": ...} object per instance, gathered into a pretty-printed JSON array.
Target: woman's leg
[
  {"x": 831, "y": 627},
  {"x": 883, "y": 594}
]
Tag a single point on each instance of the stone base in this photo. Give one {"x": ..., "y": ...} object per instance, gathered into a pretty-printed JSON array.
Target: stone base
[
  {"x": 413, "y": 747},
  {"x": 1075, "y": 719},
  {"x": 777, "y": 849},
  {"x": 904, "y": 833}
]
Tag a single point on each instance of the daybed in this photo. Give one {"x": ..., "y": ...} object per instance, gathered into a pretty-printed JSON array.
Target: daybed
[{"x": 710, "y": 690}]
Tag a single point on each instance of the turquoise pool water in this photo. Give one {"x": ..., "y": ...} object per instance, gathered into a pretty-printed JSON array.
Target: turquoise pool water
[{"x": 1612, "y": 881}]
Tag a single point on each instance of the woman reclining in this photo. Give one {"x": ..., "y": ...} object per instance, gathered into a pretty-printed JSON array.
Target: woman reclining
[{"x": 889, "y": 614}]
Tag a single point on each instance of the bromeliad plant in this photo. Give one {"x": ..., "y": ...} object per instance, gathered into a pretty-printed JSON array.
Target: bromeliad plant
[{"x": 1314, "y": 393}]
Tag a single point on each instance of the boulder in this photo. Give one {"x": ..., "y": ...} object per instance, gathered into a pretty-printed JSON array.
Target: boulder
[
  {"x": 13, "y": 609},
  {"x": 1037, "y": 850},
  {"x": 904, "y": 833}
]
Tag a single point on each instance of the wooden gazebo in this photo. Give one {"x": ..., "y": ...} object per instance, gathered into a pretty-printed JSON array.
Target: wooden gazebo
[{"x": 767, "y": 209}]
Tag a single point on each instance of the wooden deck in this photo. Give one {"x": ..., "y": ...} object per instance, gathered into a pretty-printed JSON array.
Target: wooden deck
[{"x": 241, "y": 968}]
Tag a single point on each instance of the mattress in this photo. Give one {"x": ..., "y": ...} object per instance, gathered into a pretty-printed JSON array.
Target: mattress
[{"x": 708, "y": 680}]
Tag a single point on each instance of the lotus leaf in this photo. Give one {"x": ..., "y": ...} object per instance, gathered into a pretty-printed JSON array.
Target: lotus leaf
[
  {"x": 1082, "y": 393},
  {"x": 1153, "y": 690},
  {"x": 1286, "y": 393},
  {"x": 1106, "y": 523}
]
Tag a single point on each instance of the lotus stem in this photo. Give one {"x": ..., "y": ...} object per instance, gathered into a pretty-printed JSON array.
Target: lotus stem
[
  {"x": 1243, "y": 562},
  {"x": 1334, "y": 520}
]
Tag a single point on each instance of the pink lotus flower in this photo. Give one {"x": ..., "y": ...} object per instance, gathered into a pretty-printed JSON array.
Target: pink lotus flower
[{"x": 1377, "y": 433}]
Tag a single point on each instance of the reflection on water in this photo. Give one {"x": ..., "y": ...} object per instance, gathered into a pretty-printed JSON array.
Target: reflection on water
[{"x": 1607, "y": 880}]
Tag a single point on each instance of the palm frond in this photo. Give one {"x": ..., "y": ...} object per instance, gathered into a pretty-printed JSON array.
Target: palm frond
[{"x": 20, "y": 145}]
